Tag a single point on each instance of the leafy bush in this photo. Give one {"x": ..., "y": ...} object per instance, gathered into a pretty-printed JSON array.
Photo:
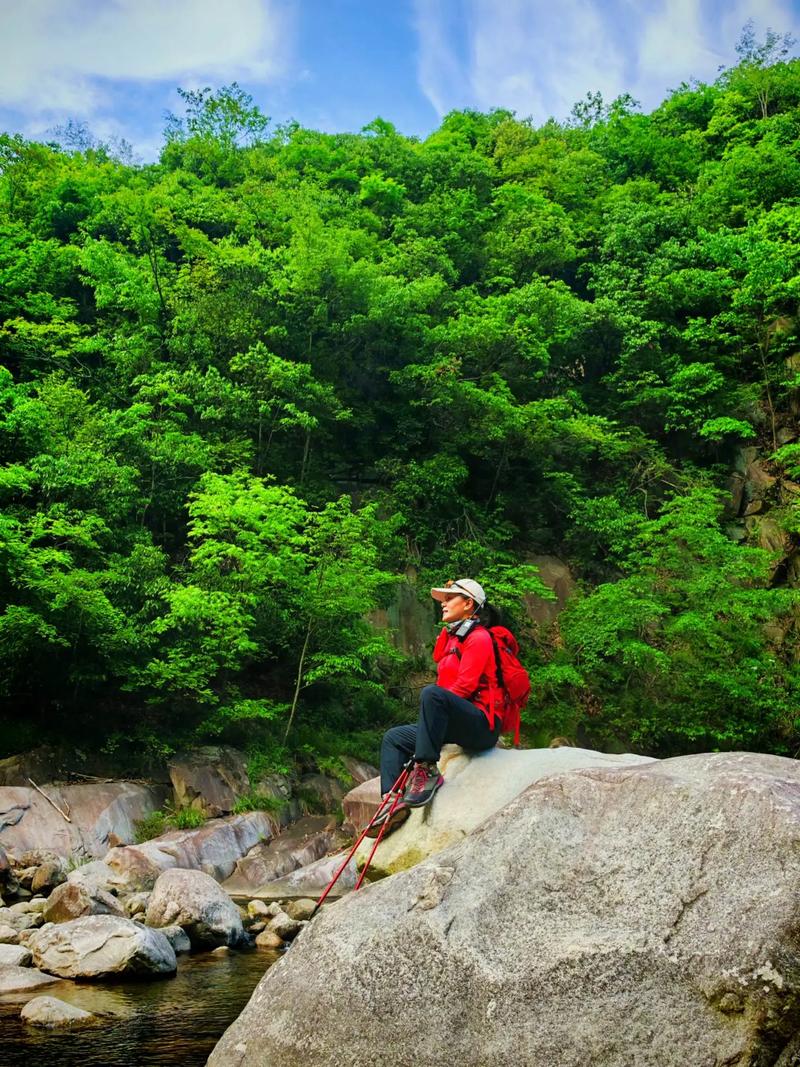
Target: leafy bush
[
  {"x": 253, "y": 801},
  {"x": 160, "y": 822}
]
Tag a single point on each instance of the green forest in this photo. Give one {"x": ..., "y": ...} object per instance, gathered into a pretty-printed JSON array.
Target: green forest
[{"x": 249, "y": 389}]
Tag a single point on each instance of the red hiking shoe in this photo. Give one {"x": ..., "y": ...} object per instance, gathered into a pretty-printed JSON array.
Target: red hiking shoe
[{"x": 422, "y": 784}]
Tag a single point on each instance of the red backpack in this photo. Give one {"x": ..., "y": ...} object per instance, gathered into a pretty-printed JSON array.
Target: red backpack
[{"x": 512, "y": 678}]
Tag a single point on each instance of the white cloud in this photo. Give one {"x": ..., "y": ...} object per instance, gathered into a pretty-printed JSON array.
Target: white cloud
[
  {"x": 685, "y": 39},
  {"x": 673, "y": 45},
  {"x": 440, "y": 71},
  {"x": 538, "y": 57},
  {"x": 59, "y": 56},
  {"x": 532, "y": 56}
]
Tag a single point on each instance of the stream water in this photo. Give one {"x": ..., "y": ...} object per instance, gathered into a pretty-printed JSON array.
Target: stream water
[{"x": 146, "y": 1024}]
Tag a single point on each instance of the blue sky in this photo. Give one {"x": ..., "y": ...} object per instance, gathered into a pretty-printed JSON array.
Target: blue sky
[{"x": 336, "y": 64}]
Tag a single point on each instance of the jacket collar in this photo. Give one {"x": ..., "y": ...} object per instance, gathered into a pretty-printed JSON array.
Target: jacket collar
[{"x": 463, "y": 628}]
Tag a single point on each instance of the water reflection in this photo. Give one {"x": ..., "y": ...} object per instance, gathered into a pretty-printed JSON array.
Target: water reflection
[{"x": 144, "y": 1024}]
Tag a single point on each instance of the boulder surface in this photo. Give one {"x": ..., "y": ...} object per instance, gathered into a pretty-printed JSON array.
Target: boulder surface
[
  {"x": 210, "y": 779},
  {"x": 639, "y": 916},
  {"x": 100, "y": 812},
  {"x": 308, "y": 881},
  {"x": 476, "y": 786},
  {"x": 305, "y": 841},
  {"x": 99, "y": 945},
  {"x": 79, "y": 897},
  {"x": 213, "y": 848},
  {"x": 193, "y": 900},
  {"x": 21, "y": 979},
  {"x": 52, "y": 1012},
  {"x": 14, "y": 956}
]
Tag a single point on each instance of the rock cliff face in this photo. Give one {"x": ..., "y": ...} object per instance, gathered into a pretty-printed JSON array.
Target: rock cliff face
[{"x": 639, "y": 916}]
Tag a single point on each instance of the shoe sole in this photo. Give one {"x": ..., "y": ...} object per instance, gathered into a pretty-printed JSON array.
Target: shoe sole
[{"x": 392, "y": 822}]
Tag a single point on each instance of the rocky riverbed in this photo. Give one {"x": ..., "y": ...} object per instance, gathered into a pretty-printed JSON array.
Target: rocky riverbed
[{"x": 118, "y": 951}]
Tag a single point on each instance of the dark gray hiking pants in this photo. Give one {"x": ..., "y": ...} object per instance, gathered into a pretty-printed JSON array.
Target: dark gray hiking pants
[{"x": 444, "y": 719}]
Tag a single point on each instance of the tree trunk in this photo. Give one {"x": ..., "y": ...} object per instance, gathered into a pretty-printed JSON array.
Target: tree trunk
[{"x": 298, "y": 681}]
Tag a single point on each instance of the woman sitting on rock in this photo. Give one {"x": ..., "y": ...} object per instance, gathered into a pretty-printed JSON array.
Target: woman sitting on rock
[{"x": 459, "y": 709}]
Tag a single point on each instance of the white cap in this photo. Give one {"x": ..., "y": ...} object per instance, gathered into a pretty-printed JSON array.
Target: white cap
[{"x": 461, "y": 587}]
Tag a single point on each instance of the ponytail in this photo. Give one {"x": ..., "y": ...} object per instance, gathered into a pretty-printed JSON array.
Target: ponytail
[{"x": 489, "y": 615}]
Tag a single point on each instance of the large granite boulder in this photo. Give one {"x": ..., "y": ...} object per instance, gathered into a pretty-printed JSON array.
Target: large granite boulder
[
  {"x": 211, "y": 779},
  {"x": 194, "y": 901},
  {"x": 214, "y": 848},
  {"x": 476, "y": 786},
  {"x": 638, "y": 916},
  {"x": 100, "y": 813},
  {"x": 304, "y": 842},
  {"x": 79, "y": 897},
  {"x": 96, "y": 946}
]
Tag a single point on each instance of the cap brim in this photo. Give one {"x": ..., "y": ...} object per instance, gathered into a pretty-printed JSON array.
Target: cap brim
[{"x": 440, "y": 594}]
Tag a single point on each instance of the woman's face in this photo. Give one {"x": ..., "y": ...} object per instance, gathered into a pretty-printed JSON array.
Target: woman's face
[{"x": 456, "y": 607}]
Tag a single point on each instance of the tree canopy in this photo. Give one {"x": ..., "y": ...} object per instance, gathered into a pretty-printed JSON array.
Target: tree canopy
[{"x": 246, "y": 389}]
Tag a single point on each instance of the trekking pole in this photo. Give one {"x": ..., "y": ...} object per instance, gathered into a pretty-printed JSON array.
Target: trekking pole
[{"x": 393, "y": 798}]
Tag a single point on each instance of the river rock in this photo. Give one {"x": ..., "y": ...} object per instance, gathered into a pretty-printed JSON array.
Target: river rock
[
  {"x": 135, "y": 904},
  {"x": 305, "y": 841},
  {"x": 19, "y": 920},
  {"x": 98, "y": 812},
  {"x": 639, "y": 916},
  {"x": 33, "y": 906},
  {"x": 79, "y": 897},
  {"x": 21, "y": 979},
  {"x": 99, "y": 945},
  {"x": 301, "y": 909},
  {"x": 52, "y": 1012},
  {"x": 178, "y": 938},
  {"x": 476, "y": 786},
  {"x": 14, "y": 956},
  {"x": 555, "y": 574},
  {"x": 281, "y": 789},
  {"x": 210, "y": 779},
  {"x": 49, "y": 875},
  {"x": 193, "y": 900},
  {"x": 285, "y": 927},
  {"x": 8, "y": 935},
  {"x": 269, "y": 939}
]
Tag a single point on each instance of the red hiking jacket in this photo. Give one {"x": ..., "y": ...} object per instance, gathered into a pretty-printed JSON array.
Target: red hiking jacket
[{"x": 473, "y": 675}]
